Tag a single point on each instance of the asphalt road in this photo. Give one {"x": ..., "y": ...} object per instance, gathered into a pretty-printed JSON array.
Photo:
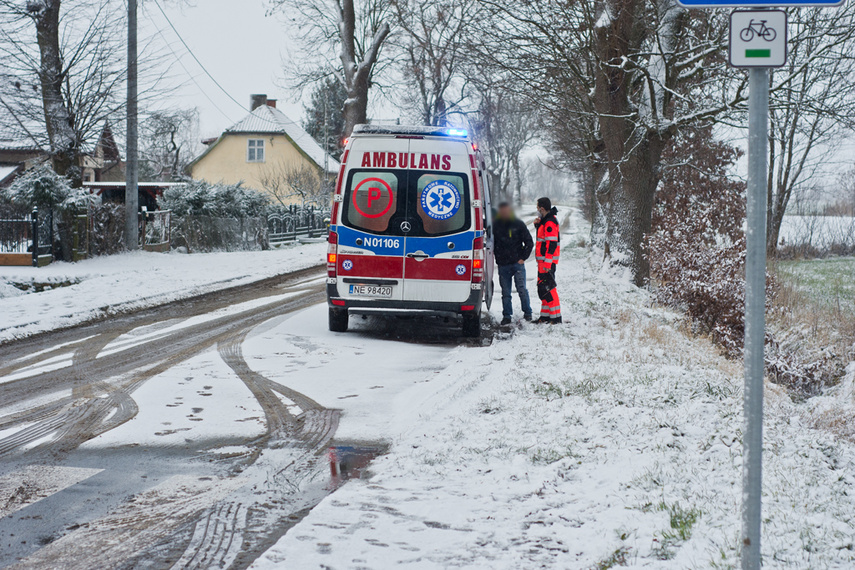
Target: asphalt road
[{"x": 138, "y": 506}]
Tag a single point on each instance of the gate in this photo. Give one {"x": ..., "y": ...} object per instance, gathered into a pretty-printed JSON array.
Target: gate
[
  {"x": 27, "y": 242},
  {"x": 80, "y": 237},
  {"x": 156, "y": 230}
]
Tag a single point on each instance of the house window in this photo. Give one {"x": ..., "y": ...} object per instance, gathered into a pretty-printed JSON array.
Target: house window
[{"x": 255, "y": 150}]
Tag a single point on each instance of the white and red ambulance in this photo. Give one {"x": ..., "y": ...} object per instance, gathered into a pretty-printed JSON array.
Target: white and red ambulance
[{"x": 410, "y": 231}]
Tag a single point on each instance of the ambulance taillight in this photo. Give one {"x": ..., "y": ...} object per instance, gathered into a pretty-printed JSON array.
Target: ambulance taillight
[
  {"x": 332, "y": 254},
  {"x": 478, "y": 260}
]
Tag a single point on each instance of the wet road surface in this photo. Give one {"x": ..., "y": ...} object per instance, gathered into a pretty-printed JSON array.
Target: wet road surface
[{"x": 199, "y": 503}]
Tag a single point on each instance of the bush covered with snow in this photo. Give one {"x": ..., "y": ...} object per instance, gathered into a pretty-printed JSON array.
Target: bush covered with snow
[
  {"x": 43, "y": 188},
  {"x": 200, "y": 198},
  {"x": 697, "y": 256},
  {"x": 697, "y": 247}
]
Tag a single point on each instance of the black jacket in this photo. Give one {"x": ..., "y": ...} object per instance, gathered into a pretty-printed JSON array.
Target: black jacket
[{"x": 512, "y": 241}]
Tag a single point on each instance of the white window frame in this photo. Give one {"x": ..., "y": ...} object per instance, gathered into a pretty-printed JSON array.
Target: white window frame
[{"x": 254, "y": 149}]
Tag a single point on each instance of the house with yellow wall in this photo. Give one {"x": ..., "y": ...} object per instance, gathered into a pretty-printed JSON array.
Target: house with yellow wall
[{"x": 263, "y": 150}]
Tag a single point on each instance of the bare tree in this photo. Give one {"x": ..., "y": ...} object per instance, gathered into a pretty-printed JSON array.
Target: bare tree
[
  {"x": 504, "y": 125},
  {"x": 357, "y": 32},
  {"x": 303, "y": 185},
  {"x": 168, "y": 143},
  {"x": 813, "y": 105},
  {"x": 62, "y": 72},
  {"x": 433, "y": 42},
  {"x": 619, "y": 78}
]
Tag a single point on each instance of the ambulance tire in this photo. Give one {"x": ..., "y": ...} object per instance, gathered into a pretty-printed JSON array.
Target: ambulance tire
[
  {"x": 472, "y": 325},
  {"x": 338, "y": 320}
]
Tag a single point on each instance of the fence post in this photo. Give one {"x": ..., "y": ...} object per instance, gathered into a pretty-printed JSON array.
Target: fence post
[
  {"x": 35, "y": 237},
  {"x": 311, "y": 222},
  {"x": 294, "y": 220}
]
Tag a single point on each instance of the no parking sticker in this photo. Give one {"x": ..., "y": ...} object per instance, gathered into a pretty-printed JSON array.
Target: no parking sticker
[
  {"x": 440, "y": 199},
  {"x": 375, "y": 195}
]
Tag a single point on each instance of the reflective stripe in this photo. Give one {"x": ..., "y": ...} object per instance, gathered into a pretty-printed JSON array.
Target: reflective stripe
[{"x": 550, "y": 238}]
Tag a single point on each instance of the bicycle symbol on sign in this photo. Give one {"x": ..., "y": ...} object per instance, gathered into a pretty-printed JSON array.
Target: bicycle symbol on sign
[{"x": 759, "y": 29}]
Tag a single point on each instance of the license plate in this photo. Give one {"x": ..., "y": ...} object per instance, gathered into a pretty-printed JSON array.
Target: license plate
[{"x": 371, "y": 291}]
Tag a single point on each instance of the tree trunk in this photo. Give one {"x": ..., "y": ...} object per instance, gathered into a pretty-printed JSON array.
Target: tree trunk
[
  {"x": 357, "y": 74},
  {"x": 633, "y": 154},
  {"x": 64, "y": 147},
  {"x": 356, "y": 106},
  {"x": 632, "y": 206}
]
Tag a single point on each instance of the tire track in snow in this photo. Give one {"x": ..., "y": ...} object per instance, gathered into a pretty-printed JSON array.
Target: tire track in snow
[{"x": 225, "y": 531}]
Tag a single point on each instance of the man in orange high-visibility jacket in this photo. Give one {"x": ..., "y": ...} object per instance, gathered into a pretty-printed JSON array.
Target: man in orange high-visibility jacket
[{"x": 547, "y": 252}]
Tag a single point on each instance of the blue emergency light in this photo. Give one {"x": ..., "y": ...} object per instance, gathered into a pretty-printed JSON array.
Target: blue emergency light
[{"x": 456, "y": 132}]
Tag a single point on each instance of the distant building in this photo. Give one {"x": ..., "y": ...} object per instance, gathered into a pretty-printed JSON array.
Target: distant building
[
  {"x": 16, "y": 156},
  {"x": 19, "y": 153},
  {"x": 264, "y": 143}
]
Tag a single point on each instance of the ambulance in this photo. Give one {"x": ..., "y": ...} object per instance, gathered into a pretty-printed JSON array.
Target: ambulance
[{"x": 411, "y": 227}]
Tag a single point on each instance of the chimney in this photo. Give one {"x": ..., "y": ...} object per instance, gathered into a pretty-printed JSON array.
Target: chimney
[
  {"x": 256, "y": 101},
  {"x": 271, "y": 103}
]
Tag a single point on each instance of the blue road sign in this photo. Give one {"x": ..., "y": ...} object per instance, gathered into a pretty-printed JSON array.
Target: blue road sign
[{"x": 757, "y": 3}]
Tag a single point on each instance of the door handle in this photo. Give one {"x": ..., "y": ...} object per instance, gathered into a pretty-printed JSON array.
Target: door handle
[{"x": 418, "y": 256}]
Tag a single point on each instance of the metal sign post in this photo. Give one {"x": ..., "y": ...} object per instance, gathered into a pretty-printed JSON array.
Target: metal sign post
[
  {"x": 758, "y": 40},
  {"x": 755, "y": 315}
]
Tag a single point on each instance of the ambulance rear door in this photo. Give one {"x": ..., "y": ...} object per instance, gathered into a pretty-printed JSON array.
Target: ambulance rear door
[{"x": 438, "y": 248}]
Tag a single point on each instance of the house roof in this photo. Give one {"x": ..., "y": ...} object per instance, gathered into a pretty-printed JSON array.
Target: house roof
[
  {"x": 269, "y": 120},
  {"x": 7, "y": 171}
]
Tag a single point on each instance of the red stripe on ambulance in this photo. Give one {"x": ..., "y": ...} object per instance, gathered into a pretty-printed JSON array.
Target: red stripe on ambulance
[{"x": 371, "y": 266}]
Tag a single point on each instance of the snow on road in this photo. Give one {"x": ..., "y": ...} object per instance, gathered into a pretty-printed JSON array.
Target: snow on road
[
  {"x": 611, "y": 440},
  {"x": 198, "y": 401},
  {"x": 78, "y": 292}
]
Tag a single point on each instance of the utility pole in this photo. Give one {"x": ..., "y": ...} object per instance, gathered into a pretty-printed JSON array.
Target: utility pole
[{"x": 132, "y": 165}]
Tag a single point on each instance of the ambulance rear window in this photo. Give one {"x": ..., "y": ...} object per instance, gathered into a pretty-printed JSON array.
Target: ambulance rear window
[
  {"x": 372, "y": 200},
  {"x": 443, "y": 203}
]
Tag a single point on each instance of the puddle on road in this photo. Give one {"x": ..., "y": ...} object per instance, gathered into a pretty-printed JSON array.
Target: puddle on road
[{"x": 351, "y": 461}]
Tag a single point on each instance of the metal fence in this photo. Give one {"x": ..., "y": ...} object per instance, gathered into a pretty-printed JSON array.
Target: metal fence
[
  {"x": 27, "y": 240},
  {"x": 295, "y": 223}
]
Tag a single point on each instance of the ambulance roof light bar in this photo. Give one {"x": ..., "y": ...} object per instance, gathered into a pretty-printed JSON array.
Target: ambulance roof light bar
[{"x": 410, "y": 131}]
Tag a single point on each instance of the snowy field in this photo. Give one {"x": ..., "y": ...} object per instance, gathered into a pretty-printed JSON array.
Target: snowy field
[
  {"x": 818, "y": 231},
  {"x": 72, "y": 293},
  {"x": 613, "y": 440}
]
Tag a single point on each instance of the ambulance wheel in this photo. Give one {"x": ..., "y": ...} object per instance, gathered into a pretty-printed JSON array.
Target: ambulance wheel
[
  {"x": 472, "y": 325},
  {"x": 338, "y": 320}
]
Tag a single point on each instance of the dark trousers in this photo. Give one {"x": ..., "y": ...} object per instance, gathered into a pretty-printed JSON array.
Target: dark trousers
[{"x": 513, "y": 274}]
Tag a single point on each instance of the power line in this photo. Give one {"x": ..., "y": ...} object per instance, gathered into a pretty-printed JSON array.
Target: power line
[
  {"x": 208, "y": 73},
  {"x": 191, "y": 76}
]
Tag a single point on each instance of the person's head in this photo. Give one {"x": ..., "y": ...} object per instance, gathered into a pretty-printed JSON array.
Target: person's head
[
  {"x": 505, "y": 212},
  {"x": 544, "y": 205}
]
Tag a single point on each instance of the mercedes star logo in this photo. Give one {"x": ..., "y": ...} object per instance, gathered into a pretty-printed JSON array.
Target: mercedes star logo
[{"x": 406, "y": 227}]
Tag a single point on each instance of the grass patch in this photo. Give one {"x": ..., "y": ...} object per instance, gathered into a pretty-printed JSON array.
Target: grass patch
[
  {"x": 681, "y": 523},
  {"x": 616, "y": 558},
  {"x": 544, "y": 456},
  {"x": 813, "y": 316},
  {"x": 829, "y": 282}
]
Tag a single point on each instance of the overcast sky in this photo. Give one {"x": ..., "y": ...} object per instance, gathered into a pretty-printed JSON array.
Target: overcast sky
[{"x": 241, "y": 48}]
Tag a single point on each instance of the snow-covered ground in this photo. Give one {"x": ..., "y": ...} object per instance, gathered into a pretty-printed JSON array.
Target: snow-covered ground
[
  {"x": 78, "y": 292},
  {"x": 612, "y": 440}
]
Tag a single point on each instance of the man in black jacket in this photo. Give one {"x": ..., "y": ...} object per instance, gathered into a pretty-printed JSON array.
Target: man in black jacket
[{"x": 512, "y": 246}]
